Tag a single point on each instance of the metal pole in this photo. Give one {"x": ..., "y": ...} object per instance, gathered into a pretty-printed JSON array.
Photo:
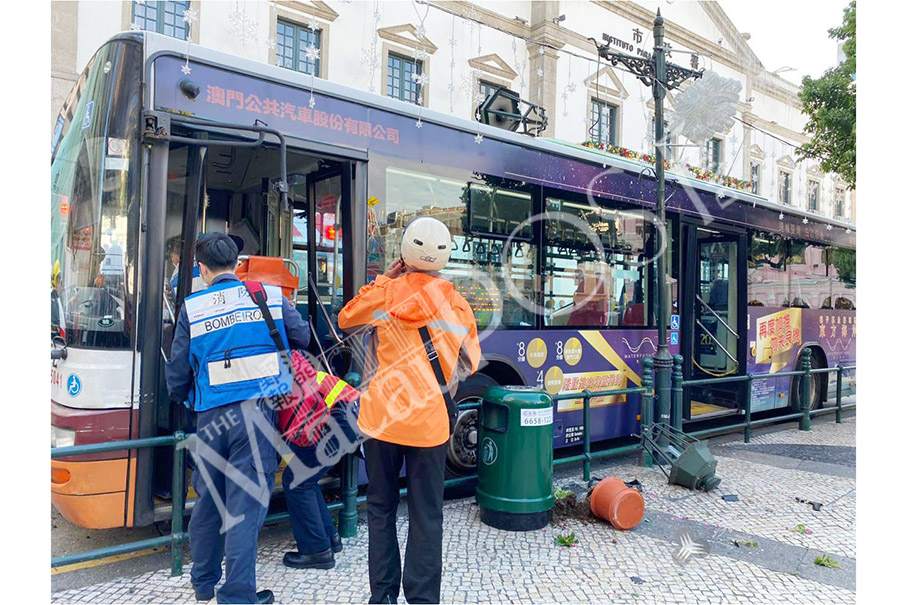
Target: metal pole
[
  {"x": 662, "y": 361},
  {"x": 748, "y": 409},
  {"x": 839, "y": 418},
  {"x": 587, "y": 438},
  {"x": 645, "y": 458},
  {"x": 677, "y": 393},
  {"x": 349, "y": 489},
  {"x": 805, "y": 388},
  {"x": 177, "y": 500}
]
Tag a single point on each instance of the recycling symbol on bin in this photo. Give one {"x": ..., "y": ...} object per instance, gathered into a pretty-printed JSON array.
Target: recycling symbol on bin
[{"x": 489, "y": 451}]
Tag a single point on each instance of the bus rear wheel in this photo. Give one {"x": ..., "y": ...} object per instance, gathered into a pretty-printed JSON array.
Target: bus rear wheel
[
  {"x": 463, "y": 445},
  {"x": 817, "y": 384}
]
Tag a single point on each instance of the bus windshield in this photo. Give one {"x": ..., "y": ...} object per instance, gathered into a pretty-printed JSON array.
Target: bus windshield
[{"x": 94, "y": 197}]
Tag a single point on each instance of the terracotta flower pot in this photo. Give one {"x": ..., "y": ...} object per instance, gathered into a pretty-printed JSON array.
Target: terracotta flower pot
[{"x": 619, "y": 505}]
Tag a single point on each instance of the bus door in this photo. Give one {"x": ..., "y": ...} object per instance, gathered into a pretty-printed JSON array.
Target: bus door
[
  {"x": 714, "y": 335},
  {"x": 321, "y": 233}
]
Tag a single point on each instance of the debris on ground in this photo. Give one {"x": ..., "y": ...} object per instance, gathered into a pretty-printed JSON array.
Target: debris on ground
[
  {"x": 800, "y": 528},
  {"x": 747, "y": 543},
  {"x": 730, "y": 498},
  {"x": 637, "y": 580},
  {"x": 571, "y": 507},
  {"x": 817, "y": 506}
]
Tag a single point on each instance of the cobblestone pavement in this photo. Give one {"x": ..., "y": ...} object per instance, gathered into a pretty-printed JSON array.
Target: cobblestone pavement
[{"x": 774, "y": 488}]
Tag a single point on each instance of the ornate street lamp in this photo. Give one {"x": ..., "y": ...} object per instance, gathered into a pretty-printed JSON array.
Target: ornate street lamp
[{"x": 661, "y": 77}]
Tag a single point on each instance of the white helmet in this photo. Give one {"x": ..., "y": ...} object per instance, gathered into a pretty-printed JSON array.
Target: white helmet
[{"x": 426, "y": 245}]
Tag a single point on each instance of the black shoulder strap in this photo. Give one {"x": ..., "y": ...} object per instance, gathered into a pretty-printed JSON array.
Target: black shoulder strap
[
  {"x": 439, "y": 373},
  {"x": 260, "y": 298}
]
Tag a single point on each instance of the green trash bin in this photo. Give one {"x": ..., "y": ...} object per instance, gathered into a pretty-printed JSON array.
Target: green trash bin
[{"x": 516, "y": 458}]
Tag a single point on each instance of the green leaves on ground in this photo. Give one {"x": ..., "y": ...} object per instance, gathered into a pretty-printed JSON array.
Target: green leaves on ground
[
  {"x": 568, "y": 541},
  {"x": 827, "y": 561}
]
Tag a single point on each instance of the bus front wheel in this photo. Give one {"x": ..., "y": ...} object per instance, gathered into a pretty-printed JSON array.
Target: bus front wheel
[{"x": 463, "y": 444}]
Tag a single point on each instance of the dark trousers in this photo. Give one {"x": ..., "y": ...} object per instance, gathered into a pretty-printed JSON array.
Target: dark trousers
[
  {"x": 309, "y": 516},
  {"x": 232, "y": 502},
  {"x": 425, "y": 479}
]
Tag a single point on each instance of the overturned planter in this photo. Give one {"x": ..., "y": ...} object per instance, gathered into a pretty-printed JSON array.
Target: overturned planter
[{"x": 621, "y": 506}]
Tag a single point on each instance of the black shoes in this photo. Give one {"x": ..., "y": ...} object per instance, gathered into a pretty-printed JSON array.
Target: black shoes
[
  {"x": 336, "y": 544},
  {"x": 262, "y": 596},
  {"x": 318, "y": 560}
]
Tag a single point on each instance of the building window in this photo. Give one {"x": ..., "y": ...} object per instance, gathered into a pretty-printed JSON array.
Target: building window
[
  {"x": 713, "y": 155},
  {"x": 604, "y": 123},
  {"x": 784, "y": 185},
  {"x": 486, "y": 89},
  {"x": 839, "y": 202},
  {"x": 814, "y": 195},
  {"x": 161, "y": 17},
  {"x": 755, "y": 174},
  {"x": 292, "y": 42},
  {"x": 401, "y": 83}
]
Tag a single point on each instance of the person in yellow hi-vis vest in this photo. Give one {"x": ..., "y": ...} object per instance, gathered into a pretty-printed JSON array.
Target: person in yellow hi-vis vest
[
  {"x": 424, "y": 342},
  {"x": 316, "y": 538}
]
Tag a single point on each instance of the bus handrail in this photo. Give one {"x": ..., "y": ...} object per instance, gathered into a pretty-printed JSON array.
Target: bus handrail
[{"x": 716, "y": 316}]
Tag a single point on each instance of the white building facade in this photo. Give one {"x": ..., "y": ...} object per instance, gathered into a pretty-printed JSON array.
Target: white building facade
[{"x": 448, "y": 55}]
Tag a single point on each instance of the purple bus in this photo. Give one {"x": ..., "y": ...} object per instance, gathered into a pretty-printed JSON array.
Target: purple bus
[{"x": 553, "y": 247}]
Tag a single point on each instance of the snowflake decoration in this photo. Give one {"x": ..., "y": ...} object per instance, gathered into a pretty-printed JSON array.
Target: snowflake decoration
[
  {"x": 311, "y": 101},
  {"x": 190, "y": 16},
  {"x": 420, "y": 31},
  {"x": 186, "y": 69},
  {"x": 720, "y": 195},
  {"x": 313, "y": 25},
  {"x": 541, "y": 51},
  {"x": 271, "y": 44},
  {"x": 828, "y": 227},
  {"x": 805, "y": 220},
  {"x": 420, "y": 54},
  {"x": 371, "y": 59},
  {"x": 451, "y": 87},
  {"x": 452, "y": 42},
  {"x": 312, "y": 52},
  {"x": 479, "y": 97},
  {"x": 706, "y": 107},
  {"x": 242, "y": 26},
  {"x": 781, "y": 217},
  {"x": 419, "y": 100},
  {"x": 479, "y": 138},
  {"x": 420, "y": 79},
  {"x": 540, "y": 72},
  {"x": 571, "y": 88},
  {"x": 847, "y": 231},
  {"x": 419, "y": 123}
]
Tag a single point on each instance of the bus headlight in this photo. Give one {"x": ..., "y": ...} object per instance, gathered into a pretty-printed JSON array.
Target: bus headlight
[{"x": 61, "y": 437}]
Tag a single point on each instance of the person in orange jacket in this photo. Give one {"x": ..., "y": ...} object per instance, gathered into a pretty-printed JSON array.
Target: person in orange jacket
[{"x": 424, "y": 341}]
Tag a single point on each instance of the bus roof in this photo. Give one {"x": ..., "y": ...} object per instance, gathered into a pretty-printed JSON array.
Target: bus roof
[{"x": 156, "y": 44}]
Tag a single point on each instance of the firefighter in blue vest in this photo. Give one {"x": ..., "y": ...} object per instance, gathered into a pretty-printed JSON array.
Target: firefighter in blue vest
[{"x": 225, "y": 366}]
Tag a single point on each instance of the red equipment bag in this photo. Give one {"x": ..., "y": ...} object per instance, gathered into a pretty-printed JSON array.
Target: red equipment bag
[{"x": 302, "y": 414}]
